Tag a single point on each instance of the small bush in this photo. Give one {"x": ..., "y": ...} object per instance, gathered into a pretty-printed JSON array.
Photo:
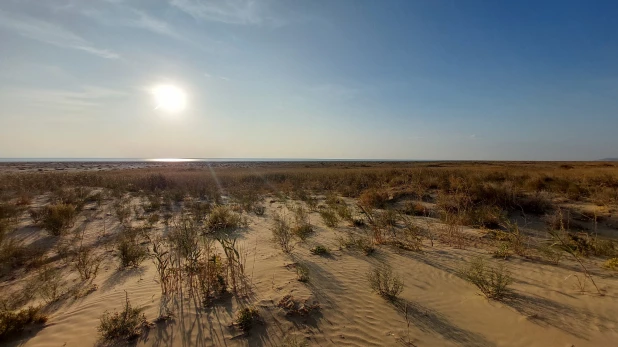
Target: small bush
[
  {"x": 503, "y": 251},
  {"x": 49, "y": 284},
  {"x": 492, "y": 281},
  {"x": 320, "y": 250},
  {"x": 86, "y": 263},
  {"x": 13, "y": 323},
  {"x": 611, "y": 264},
  {"x": 259, "y": 210},
  {"x": 373, "y": 198},
  {"x": 57, "y": 218},
  {"x": 302, "y": 272},
  {"x": 245, "y": 318},
  {"x": 130, "y": 252},
  {"x": 222, "y": 218},
  {"x": 282, "y": 234},
  {"x": 414, "y": 208},
  {"x": 126, "y": 325},
  {"x": 329, "y": 217},
  {"x": 383, "y": 281}
]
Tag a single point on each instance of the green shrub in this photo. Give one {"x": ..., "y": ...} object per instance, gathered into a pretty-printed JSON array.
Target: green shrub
[
  {"x": 383, "y": 281},
  {"x": 493, "y": 282},
  {"x": 126, "y": 325}
]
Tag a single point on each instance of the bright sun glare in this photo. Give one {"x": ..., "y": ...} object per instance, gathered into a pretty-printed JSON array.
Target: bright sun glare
[{"x": 169, "y": 98}]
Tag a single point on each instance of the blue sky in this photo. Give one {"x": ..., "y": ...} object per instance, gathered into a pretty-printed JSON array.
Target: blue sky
[{"x": 512, "y": 80}]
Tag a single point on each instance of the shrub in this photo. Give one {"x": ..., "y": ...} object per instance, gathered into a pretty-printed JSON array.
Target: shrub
[
  {"x": 383, "y": 281},
  {"x": 534, "y": 204},
  {"x": 222, "y": 218},
  {"x": 245, "y": 318},
  {"x": 611, "y": 264},
  {"x": 302, "y": 272},
  {"x": 414, "y": 208},
  {"x": 282, "y": 234},
  {"x": 303, "y": 228},
  {"x": 259, "y": 210},
  {"x": 130, "y": 252},
  {"x": 49, "y": 284},
  {"x": 387, "y": 218},
  {"x": 86, "y": 263},
  {"x": 122, "y": 209},
  {"x": 57, "y": 218},
  {"x": 320, "y": 250},
  {"x": 13, "y": 323},
  {"x": 329, "y": 217},
  {"x": 503, "y": 251},
  {"x": 126, "y": 325},
  {"x": 493, "y": 282},
  {"x": 373, "y": 198}
]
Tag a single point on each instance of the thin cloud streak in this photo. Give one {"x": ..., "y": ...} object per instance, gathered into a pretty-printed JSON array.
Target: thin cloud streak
[
  {"x": 87, "y": 98},
  {"x": 52, "y": 34},
  {"x": 239, "y": 12}
]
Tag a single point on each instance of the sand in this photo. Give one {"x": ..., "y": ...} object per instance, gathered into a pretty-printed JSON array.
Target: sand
[{"x": 546, "y": 307}]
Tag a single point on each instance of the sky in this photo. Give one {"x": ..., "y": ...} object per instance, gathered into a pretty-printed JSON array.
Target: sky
[{"x": 320, "y": 79}]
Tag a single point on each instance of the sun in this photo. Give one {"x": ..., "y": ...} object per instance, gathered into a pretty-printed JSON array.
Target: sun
[{"x": 169, "y": 98}]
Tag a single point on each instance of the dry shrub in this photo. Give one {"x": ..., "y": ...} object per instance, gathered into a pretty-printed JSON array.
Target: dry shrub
[
  {"x": 373, "y": 198},
  {"x": 383, "y": 281},
  {"x": 611, "y": 264},
  {"x": 49, "y": 284},
  {"x": 282, "y": 233},
  {"x": 130, "y": 252},
  {"x": 125, "y": 325},
  {"x": 246, "y": 317},
  {"x": 302, "y": 272},
  {"x": 534, "y": 204},
  {"x": 493, "y": 282},
  {"x": 55, "y": 218},
  {"x": 122, "y": 209},
  {"x": 222, "y": 218},
  {"x": 13, "y": 323},
  {"x": 414, "y": 208},
  {"x": 86, "y": 263},
  {"x": 295, "y": 307},
  {"x": 302, "y": 228},
  {"x": 329, "y": 217},
  {"x": 199, "y": 210},
  {"x": 14, "y": 254},
  {"x": 362, "y": 242},
  {"x": 453, "y": 232},
  {"x": 503, "y": 251}
]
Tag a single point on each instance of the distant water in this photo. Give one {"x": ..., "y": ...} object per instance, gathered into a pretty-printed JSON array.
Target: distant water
[{"x": 175, "y": 160}]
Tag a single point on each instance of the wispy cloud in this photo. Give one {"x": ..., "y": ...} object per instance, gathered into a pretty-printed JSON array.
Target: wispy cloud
[
  {"x": 242, "y": 12},
  {"x": 87, "y": 97},
  {"x": 51, "y": 33}
]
